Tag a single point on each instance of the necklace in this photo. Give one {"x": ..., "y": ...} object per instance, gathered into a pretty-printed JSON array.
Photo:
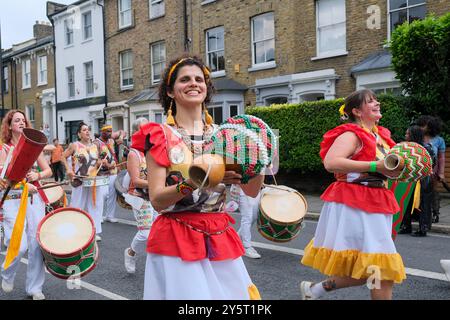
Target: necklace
[{"x": 194, "y": 145}]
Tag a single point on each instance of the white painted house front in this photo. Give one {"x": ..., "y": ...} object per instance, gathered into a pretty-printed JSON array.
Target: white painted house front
[{"x": 79, "y": 65}]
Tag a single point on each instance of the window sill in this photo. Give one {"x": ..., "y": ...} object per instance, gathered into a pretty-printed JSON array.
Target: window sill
[
  {"x": 218, "y": 74},
  {"x": 207, "y": 2},
  {"x": 263, "y": 66},
  {"x": 125, "y": 28},
  {"x": 26, "y": 88},
  {"x": 130, "y": 88},
  {"x": 42, "y": 84},
  {"x": 331, "y": 55},
  {"x": 157, "y": 17},
  {"x": 87, "y": 40},
  {"x": 69, "y": 46}
]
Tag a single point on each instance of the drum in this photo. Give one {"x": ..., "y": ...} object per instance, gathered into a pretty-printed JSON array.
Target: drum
[
  {"x": 55, "y": 198},
  {"x": 414, "y": 159},
  {"x": 119, "y": 185},
  {"x": 66, "y": 238},
  {"x": 99, "y": 181},
  {"x": 281, "y": 213}
]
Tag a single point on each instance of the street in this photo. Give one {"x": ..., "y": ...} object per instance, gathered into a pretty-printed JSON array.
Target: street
[{"x": 277, "y": 274}]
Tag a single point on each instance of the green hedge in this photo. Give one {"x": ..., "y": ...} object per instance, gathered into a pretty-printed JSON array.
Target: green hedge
[{"x": 301, "y": 127}]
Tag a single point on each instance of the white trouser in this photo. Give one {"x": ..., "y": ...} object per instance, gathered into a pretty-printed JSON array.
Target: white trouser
[
  {"x": 139, "y": 242},
  {"x": 82, "y": 198},
  {"x": 111, "y": 196},
  {"x": 248, "y": 208},
  {"x": 35, "y": 268}
]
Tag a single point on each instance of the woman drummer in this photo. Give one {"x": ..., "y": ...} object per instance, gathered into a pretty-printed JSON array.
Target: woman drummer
[
  {"x": 87, "y": 162},
  {"x": 192, "y": 252},
  {"x": 352, "y": 242},
  {"x": 138, "y": 188},
  {"x": 11, "y": 130}
]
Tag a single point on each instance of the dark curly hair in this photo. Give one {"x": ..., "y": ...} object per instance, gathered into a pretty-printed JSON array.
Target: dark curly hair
[
  {"x": 166, "y": 84},
  {"x": 433, "y": 125}
]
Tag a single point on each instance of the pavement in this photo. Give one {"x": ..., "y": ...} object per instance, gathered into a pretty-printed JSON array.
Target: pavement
[{"x": 315, "y": 206}]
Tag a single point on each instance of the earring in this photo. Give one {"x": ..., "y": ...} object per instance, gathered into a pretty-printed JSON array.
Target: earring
[
  {"x": 170, "y": 119},
  {"x": 208, "y": 119}
]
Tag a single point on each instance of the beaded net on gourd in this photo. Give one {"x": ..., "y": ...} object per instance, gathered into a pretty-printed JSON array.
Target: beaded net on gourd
[
  {"x": 246, "y": 141},
  {"x": 418, "y": 163}
]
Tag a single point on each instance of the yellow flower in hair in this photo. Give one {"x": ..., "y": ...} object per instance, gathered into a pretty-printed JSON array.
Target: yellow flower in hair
[{"x": 341, "y": 110}]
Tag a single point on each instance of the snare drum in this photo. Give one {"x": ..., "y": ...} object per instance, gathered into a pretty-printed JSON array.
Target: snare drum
[
  {"x": 55, "y": 198},
  {"x": 99, "y": 181},
  {"x": 66, "y": 238},
  {"x": 281, "y": 213}
]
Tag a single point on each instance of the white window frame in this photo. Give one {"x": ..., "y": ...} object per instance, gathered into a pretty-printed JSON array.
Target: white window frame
[
  {"x": 219, "y": 72},
  {"x": 70, "y": 84},
  {"x": 389, "y": 31},
  {"x": 89, "y": 78},
  {"x": 266, "y": 64},
  {"x": 68, "y": 32},
  {"x": 122, "y": 13},
  {"x": 333, "y": 53},
  {"x": 153, "y": 4},
  {"x": 87, "y": 28},
  {"x": 31, "y": 114},
  {"x": 159, "y": 62},
  {"x": 42, "y": 70},
  {"x": 5, "y": 83},
  {"x": 26, "y": 73},
  {"x": 122, "y": 69}
]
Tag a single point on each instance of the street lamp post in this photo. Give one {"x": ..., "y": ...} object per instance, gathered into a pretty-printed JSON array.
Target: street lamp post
[{"x": 1, "y": 73}]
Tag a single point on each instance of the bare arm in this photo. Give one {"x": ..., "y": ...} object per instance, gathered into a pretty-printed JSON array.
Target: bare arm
[
  {"x": 337, "y": 158},
  {"x": 133, "y": 168},
  {"x": 253, "y": 187},
  {"x": 67, "y": 153}
]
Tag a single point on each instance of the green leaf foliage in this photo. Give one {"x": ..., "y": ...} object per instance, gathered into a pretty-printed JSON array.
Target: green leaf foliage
[
  {"x": 421, "y": 60},
  {"x": 302, "y": 126}
]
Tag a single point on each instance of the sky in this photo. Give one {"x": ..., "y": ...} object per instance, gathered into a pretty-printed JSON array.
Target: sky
[{"x": 17, "y": 18}]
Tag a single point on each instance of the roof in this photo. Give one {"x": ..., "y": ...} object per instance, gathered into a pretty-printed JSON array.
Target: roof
[
  {"x": 38, "y": 43},
  {"x": 377, "y": 60},
  {"x": 144, "y": 95},
  {"x": 225, "y": 84}
]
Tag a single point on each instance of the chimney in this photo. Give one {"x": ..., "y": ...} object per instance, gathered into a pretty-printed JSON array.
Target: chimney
[{"x": 42, "y": 30}]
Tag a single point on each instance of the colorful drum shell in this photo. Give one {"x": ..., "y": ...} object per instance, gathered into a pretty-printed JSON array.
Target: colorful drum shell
[
  {"x": 99, "y": 181},
  {"x": 418, "y": 163},
  {"x": 74, "y": 264},
  {"x": 270, "y": 226}
]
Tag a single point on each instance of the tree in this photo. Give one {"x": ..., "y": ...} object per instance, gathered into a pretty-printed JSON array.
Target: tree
[{"x": 421, "y": 59}]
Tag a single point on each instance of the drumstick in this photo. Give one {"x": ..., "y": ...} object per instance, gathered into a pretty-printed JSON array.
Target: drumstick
[{"x": 277, "y": 187}]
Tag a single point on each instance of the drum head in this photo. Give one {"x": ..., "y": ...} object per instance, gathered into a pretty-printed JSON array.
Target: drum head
[
  {"x": 65, "y": 231},
  {"x": 54, "y": 194},
  {"x": 283, "y": 205}
]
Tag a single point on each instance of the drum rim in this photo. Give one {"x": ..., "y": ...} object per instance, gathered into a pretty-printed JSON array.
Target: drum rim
[
  {"x": 81, "y": 274},
  {"x": 285, "y": 223},
  {"x": 70, "y": 254}
]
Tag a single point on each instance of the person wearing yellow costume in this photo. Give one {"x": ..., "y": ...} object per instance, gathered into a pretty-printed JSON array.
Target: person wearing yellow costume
[
  {"x": 11, "y": 130},
  {"x": 352, "y": 243}
]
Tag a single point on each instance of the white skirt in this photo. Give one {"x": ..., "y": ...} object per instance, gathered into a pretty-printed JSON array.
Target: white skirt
[
  {"x": 171, "y": 278},
  {"x": 351, "y": 242}
]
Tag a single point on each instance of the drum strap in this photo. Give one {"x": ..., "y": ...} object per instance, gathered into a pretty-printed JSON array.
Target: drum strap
[{"x": 41, "y": 192}]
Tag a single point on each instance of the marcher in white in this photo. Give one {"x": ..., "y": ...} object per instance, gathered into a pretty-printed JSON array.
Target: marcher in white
[
  {"x": 106, "y": 144},
  {"x": 248, "y": 208},
  {"x": 137, "y": 197},
  {"x": 86, "y": 160},
  {"x": 13, "y": 124}
]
